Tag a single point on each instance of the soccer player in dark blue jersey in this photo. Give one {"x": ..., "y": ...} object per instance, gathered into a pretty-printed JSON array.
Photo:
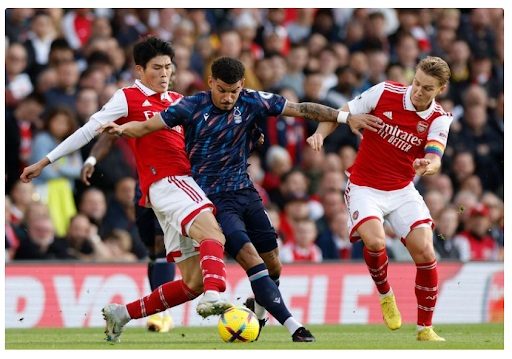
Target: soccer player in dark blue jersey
[{"x": 217, "y": 126}]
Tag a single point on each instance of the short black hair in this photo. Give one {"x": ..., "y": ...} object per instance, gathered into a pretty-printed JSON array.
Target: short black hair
[
  {"x": 228, "y": 69},
  {"x": 149, "y": 48}
]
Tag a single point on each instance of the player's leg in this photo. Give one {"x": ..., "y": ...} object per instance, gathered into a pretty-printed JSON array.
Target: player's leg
[
  {"x": 231, "y": 207},
  {"x": 159, "y": 270},
  {"x": 167, "y": 295},
  {"x": 195, "y": 219},
  {"x": 419, "y": 244},
  {"x": 413, "y": 223},
  {"x": 365, "y": 222}
]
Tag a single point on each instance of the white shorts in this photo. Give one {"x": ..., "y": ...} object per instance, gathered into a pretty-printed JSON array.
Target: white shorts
[
  {"x": 403, "y": 208},
  {"x": 176, "y": 201}
]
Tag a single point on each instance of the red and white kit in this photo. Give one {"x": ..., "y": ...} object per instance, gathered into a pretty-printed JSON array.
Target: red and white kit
[
  {"x": 162, "y": 163},
  {"x": 380, "y": 183}
]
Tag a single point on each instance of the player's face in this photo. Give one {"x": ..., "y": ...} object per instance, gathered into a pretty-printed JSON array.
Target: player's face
[
  {"x": 424, "y": 89},
  {"x": 224, "y": 96},
  {"x": 157, "y": 74}
]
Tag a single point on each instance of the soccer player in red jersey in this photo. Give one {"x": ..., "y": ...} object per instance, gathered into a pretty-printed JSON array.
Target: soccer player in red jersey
[
  {"x": 192, "y": 236},
  {"x": 410, "y": 143}
]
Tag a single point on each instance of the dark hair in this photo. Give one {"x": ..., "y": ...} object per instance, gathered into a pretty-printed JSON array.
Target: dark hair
[
  {"x": 61, "y": 110},
  {"x": 149, "y": 48},
  {"x": 228, "y": 69}
]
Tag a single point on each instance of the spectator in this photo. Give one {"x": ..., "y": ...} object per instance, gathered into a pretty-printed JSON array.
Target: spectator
[
  {"x": 64, "y": 94},
  {"x": 93, "y": 204},
  {"x": 475, "y": 243},
  {"x": 121, "y": 215},
  {"x": 277, "y": 163},
  {"x": 22, "y": 196},
  {"x": 84, "y": 242},
  {"x": 119, "y": 244},
  {"x": 444, "y": 233},
  {"x": 56, "y": 183},
  {"x": 332, "y": 202},
  {"x": 304, "y": 248},
  {"x": 20, "y": 127},
  {"x": 39, "y": 41},
  {"x": 295, "y": 209},
  {"x": 17, "y": 81},
  {"x": 40, "y": 241}
]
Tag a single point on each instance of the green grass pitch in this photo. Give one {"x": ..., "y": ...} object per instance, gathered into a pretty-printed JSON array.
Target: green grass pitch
[{"x": 458, "y": 336}]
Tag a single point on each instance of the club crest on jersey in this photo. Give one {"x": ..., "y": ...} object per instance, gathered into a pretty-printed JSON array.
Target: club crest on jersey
[
  {"x": 355, "y": 215},
  {"x": 421, "y": 126},
  {"x": 238, "y": 115}
]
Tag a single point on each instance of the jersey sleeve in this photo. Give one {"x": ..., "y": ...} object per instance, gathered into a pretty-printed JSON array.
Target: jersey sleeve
[
  {"x": 114, "y": 109},
  {"x": 273, "y": 104},
  {"x": 179, "y": 112},
  {"x": 438, "y": 135},
  {"x": 367, "y": 101}
]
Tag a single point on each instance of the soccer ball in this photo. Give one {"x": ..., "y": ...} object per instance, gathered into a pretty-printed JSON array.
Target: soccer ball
[{"x": 238, "y": 325}]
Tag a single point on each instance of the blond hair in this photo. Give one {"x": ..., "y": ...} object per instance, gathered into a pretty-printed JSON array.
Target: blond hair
[{"x": 435, "y": 67}]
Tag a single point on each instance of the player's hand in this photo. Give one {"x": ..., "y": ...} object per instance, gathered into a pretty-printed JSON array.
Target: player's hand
[
  {"x": 31, "y": 171},
  {"x": 420, "y": 165},
  {"x": 86, "y": 173},
  {"x": 364, "y": 122},
  {"x": 111, "y": 128},
  {"x": 316, "y": 141}
]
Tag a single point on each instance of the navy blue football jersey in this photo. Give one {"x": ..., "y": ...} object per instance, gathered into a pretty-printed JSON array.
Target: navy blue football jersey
[{"x": 216, "y": 140}]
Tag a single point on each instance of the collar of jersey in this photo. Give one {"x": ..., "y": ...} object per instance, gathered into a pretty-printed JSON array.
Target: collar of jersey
[
  {"x": 148, "y": 92},
  {"x": 410, "y": 107}
]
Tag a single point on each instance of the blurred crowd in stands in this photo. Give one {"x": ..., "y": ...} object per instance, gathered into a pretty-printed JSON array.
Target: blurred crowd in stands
[{"x": 63, "y": 65}]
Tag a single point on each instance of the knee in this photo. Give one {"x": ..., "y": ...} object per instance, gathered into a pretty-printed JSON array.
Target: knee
[
  {"x": 375, "y": 244},
  {"x": 424, "y": 255}
]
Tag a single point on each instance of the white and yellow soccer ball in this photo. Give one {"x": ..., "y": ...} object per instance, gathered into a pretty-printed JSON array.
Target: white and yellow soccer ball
[{"x": 238, "y": 325}]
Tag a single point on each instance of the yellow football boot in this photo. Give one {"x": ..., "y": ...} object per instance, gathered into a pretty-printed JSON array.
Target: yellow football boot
[
  {"x": 427, "y": 334},
  {"x": 390, "y": 312}
]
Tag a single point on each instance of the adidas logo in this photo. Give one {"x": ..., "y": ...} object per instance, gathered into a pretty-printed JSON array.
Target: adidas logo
[
  {"x": 146, "y": 103},
  {"x": 388, "y": 114},
  {"x": 277, "y": 300}
]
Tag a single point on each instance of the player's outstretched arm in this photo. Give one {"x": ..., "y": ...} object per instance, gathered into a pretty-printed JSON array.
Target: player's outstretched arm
[
  {"x": 321, "y": 113},
  {"x": 134, "y": 128},
  {"x": 34, "y": 170},
  {"x": 98, "y": 152}
]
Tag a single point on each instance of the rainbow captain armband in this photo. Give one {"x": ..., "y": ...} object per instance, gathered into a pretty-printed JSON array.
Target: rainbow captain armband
[{"x": 435, "y": 147}]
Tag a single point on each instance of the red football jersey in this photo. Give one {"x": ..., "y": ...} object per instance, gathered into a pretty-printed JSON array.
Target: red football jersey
[
  {"x": 159, "y": 154},
  {"x": 384, "y": 159}
]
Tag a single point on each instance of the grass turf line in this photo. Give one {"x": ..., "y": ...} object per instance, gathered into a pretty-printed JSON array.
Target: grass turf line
[{"x": 458, "y": 336}]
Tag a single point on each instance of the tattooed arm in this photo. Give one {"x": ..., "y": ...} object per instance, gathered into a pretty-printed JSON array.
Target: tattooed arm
[{"x": 311, "y": 111}]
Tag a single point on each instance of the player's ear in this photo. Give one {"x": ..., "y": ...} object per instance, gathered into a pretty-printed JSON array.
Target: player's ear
[
  {"x": 242, "y": 82},
  {"x": 210, "y": 81},
  {"x": 139, "y": 70}
]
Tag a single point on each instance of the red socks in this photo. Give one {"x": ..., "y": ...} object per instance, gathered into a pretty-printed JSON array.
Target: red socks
[
  {"x": 166, "y": 296},
  {"x": 377, "y": 263},
  {"x": 426, "y": 291},
  {"x": 211, "y": 253}
]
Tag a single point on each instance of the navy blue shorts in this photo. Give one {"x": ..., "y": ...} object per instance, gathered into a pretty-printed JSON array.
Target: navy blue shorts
[{"x": 243, "y": 219}]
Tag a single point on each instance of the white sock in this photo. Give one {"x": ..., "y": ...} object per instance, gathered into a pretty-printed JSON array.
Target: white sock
[
  {"x": 386, "y": 294},
  {"x": 261, "y": 312},
  {"x": 292, "y": 325},
  {"x": 211, "y": 295},
  {"x": 419, "y": 328},
  {"x": 124, "y": 313}
]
